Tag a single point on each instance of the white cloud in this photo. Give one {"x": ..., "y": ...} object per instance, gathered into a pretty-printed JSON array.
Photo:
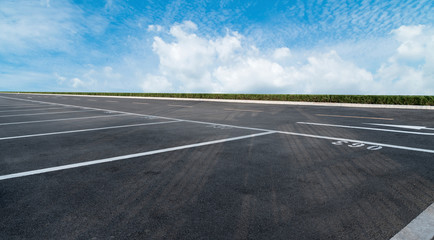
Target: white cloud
[
  {"x": 411, "y": 69},
  {"x": 225, "y": 64},
  {"x": 76, "y": 83},
  {"x": 155, "y": 28},
  {"x": 30, "y": 26},
  {"x": 328, "y": 73},
  {"x": 281, "y": 53},
  {"x": 413, "y": 42},
  {"x": 192, "y": 63}
]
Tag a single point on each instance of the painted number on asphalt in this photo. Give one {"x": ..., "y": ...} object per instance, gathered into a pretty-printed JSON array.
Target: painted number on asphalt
[{"x": 356, "y": 145}]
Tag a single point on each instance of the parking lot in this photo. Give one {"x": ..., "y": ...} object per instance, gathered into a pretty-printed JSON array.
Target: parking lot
[{"x": 78, "y": 167}]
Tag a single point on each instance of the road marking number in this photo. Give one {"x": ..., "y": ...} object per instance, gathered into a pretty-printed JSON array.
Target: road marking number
[{"x": 357, "y": 145}]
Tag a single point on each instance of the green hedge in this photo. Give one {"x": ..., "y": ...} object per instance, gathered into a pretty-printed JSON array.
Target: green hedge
[{"x": 367, "y": 99}]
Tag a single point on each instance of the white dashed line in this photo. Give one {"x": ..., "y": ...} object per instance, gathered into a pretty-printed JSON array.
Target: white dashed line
[{"x": 139, "y": 103}]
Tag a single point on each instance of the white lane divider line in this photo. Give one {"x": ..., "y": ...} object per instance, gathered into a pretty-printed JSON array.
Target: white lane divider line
[
  {"x": 61, "y": 119},
  {"x": 239, "y": 127},
  {"x": 33, "y": 109},
  {"x": 140, "y": 103},
  {"x": 22, "y": 106},
  {"x": 363, "y": 117},
  {"x": 47, "y": 113},
  {"x": 421, "y": 228},
  {"x": 358, "y": 141},
  {"x": 84, "y": 130},
  {"x": 402, "y": 126},
  {"x": 242, "y": 110},
  {"x": 124, "y": 157},
  {"x": 366, "y": 128},
  {"x": 111, "y": 101}
]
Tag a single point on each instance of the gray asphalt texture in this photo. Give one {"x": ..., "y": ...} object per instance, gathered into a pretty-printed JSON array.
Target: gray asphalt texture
[{"x": 275, "y": 186}]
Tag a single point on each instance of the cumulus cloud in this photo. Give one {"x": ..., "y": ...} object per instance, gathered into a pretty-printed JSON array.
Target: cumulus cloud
[
  {"x": 192, "y": 63},
  {"x": 281, "y": 53},
  {"x": 411, "y": 69}
]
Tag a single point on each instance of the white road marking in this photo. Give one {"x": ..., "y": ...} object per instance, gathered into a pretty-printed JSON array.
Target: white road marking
[
  {"x": 83, "y": 130},
  {"x": 239, "y": 127},
  {"x": 366, "y": 128},
  {"x": 48, "y": 113},
  {"x": 421, "y": 228},
  {"x": 21, "y": 106},
  {"x": 61, "y": 119},
  {"x": 124, "y": 157},
  {"x": 402, "y": 126},
  {"x": 139, "y": 103},
  {"x": 111, "y": 101},
  {"x": 341, "y": 116},
  {"x": 33, "y": 109},
  {"x": 172, "y": 105},
  {"x": 92, "y": 100},
  {"x": 241, "y": 110},
  {"x": 358, "y": 141}
]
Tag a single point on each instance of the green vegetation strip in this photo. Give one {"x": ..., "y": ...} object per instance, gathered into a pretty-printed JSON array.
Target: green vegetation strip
[{"x": 364, "y": 99}]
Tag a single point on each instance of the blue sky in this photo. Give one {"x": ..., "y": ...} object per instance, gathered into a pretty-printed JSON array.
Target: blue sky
[{"x": 307, "y": 47}]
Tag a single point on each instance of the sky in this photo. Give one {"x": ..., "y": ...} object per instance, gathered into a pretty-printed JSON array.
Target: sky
[{"x": 228, "y": 46}]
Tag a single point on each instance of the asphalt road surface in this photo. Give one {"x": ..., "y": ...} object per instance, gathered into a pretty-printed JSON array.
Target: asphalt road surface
[{"x": 75, "y": 167}]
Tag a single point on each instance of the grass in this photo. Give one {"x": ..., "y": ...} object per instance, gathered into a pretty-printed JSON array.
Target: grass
[{"x": 365, "y": 99}]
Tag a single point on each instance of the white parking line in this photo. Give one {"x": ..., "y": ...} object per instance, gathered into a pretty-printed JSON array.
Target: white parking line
[
  {"x": 421, "y": 228},
  {"x": 124, "y": 157},
  {"x": 363, "y": 117},
  {"x": 33, "y": 109},
  {"x": 21, "y": 106},
  {"x": 358, "y": 141},
  {"x": 61, "y": 119},
  {"x": 240, "y": 127},
  {"x": 366, "y": 128},
  {"x": 48, "y": 113},
  {"x": 84, "y": 130},
  {"x": 402, "y": 126}
]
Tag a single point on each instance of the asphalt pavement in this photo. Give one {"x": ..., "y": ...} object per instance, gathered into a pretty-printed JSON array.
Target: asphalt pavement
[{"x": 80, "y": 167}]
